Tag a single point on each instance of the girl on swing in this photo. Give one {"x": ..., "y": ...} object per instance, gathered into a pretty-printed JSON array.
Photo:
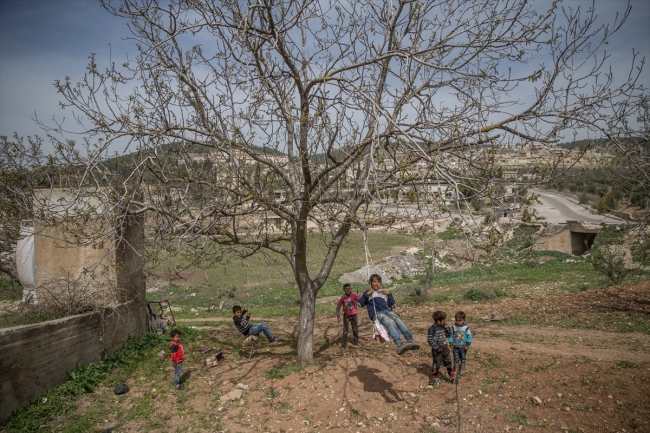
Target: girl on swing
[{"x": 380, "y": 304}]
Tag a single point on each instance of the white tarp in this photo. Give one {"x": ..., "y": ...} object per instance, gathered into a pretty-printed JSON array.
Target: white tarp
[{"x": 25, "y": 259}]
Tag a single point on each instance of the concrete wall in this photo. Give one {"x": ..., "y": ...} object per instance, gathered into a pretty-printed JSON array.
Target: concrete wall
[
  {"x": 558, "y": 242},
  {"x": 55, "y": 260},
  {"x": 36, "y": 358}
]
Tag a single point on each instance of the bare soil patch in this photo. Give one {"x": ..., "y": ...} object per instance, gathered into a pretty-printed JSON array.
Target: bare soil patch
[{"x": 520, "y": 377}]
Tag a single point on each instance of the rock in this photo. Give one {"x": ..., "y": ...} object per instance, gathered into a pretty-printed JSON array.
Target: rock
[
  {"x": 537, "y": 400},
  {"x": 121, "y": 389},
  {"x": 361, "y": 276},
  {"x": 108, "y": 427},
  {"x": 192, "y": 310},
  {"x": 494, "y": 316},
  {"x": 232, "y": 395},
  {"x": 162, "y": 353},
  {"x": 412, "y": 394},
  {"x": 242, "y": 386}
]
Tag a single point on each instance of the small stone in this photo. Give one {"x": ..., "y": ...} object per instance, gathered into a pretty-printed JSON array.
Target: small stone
[
  {"x": 241, "y": 386},
  {"x": 412, "y": 394},
  {"x": 506, "y": 428},
  {"x": 537, "y": 400},
  {"x": 567, "y": 408},
  {"x": 109, "y": 426},
  {"x": 559, "y": 394},
  {"x": 610, "y": 396}
]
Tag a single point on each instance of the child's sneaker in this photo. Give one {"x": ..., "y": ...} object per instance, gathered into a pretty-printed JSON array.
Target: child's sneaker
[
  {"x": 403, "y": 348},
  {"x": 274, "y": 340},
  {"x": 414, "y": 345},
  {"x": 432, "y": 381}
]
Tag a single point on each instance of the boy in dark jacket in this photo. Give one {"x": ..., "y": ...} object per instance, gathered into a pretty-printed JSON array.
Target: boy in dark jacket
[
  {"x": 438, "y": 337},
  {"x": 245, "y": 327},
  {"x": 379, "y": 304},
  {"x": 177, "y": 356}
]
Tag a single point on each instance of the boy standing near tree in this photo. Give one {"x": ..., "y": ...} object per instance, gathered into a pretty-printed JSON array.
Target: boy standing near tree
[{"x": 349, "y": 303}]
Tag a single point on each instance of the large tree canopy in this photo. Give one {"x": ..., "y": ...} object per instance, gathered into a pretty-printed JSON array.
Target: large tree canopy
[{"x": 307, "y": 112}]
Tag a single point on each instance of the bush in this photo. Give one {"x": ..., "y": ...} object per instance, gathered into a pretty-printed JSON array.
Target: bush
[
  {"x": 609, "y": 255},
  {"x": 479, "y": 295}
]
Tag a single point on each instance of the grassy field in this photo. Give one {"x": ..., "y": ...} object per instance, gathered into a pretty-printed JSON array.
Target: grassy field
[{"x": 265, "y": 282}]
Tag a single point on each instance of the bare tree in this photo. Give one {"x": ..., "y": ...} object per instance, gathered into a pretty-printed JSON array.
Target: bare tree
[{"x": 253, "y": 121}]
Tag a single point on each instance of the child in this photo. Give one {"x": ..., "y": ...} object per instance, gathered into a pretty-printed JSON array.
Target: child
[
  {"x": 460, "y": 340},
  {"x": 380, "y": 304},
  {"x": 437, "y": 337},
  {"x": 176, "y": 353},
  {"x": 349, "y": 303},
  {"x": 245, "y": 327}
]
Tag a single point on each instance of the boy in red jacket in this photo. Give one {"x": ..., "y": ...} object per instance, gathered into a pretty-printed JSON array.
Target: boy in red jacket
[{"x": 176, "y": 353}]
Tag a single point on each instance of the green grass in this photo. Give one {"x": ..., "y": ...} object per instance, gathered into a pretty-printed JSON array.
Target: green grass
[
  {"x": 265, "y": 283},
  {"x": 113, "y": 369},
  {"x": 281, "y": 371}
]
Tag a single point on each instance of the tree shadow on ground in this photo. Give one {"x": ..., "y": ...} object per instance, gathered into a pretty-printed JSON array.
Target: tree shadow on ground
[{"x": 373, "y": 383}]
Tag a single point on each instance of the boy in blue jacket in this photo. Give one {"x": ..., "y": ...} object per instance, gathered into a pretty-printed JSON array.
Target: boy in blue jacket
[
  {"x": 379, "y": 304},
  {"x": 461, "y": 338}
]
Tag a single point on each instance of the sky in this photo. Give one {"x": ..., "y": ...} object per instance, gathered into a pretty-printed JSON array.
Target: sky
[{"x": 45, "y": 40}]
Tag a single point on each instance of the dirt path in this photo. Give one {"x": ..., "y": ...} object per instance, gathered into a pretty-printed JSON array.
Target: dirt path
[{"x": 551, "y": 342}]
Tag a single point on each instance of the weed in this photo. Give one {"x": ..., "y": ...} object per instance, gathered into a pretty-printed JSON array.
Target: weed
[
  {"x": 626, "y": 364},
  {"x": 272, "y": 393},
  {"x": 280, "y": 371},
  {"x": 494, "y": 361},
  {"x": 517, "y": 417},
  {"x": 285, "y": 406}
]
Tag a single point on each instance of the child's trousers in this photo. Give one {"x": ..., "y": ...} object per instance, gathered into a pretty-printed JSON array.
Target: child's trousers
[
  {"x": 178, "y": 366},
  {"x": 442, "y": 357},
  {"x": 460, "y": 354},
  {"x": 347, "y": 321}
]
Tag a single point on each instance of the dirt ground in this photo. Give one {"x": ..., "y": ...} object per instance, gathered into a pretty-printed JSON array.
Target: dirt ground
[{"x": 528, "y": 378}]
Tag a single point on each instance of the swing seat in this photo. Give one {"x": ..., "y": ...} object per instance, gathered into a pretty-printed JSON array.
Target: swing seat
[
  {"x": 250, "y": 340},
  {"x": 380, "y": 333}
]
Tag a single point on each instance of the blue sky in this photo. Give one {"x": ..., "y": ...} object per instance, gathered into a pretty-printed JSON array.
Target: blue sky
[{"x": 45, "y": 40}]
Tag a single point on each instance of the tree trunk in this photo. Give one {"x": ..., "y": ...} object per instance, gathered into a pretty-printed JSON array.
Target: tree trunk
[{"x": 306, "y": 325}]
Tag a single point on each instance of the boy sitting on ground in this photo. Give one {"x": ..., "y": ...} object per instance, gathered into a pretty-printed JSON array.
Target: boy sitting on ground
[{"x": 245, "y": 327}]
